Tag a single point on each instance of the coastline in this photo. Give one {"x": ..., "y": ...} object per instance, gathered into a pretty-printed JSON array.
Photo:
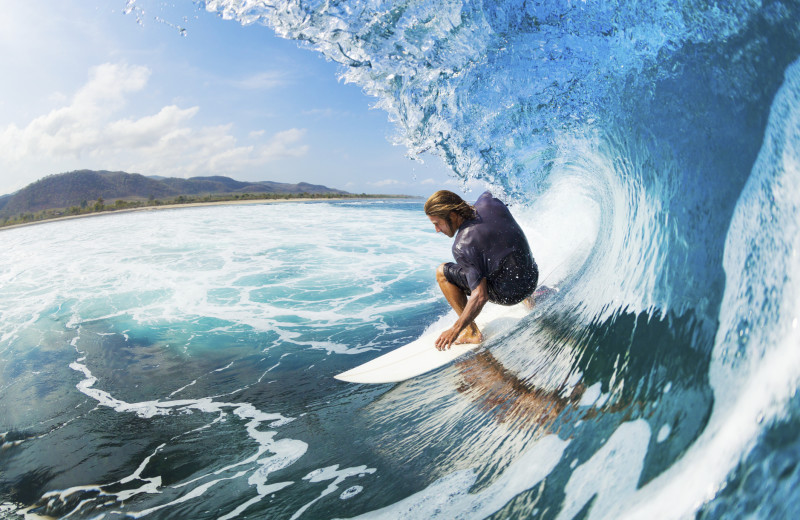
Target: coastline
[{"x": 194, "y": 205}]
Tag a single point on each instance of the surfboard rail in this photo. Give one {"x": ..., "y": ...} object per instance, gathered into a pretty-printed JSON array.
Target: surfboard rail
[{"x": 421, "y": 356}]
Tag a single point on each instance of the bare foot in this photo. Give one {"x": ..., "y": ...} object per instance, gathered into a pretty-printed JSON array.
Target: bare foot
[
  {"x": 469, "y": 335},
  {"x": 540, "y": 294}
]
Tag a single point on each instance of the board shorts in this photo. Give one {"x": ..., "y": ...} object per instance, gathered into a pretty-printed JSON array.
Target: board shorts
[{"x": 514, "y": 280}]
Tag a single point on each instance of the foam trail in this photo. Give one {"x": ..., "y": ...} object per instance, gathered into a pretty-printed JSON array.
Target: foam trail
[
  {"x": 284, "y": 451},
  {"x": 330, "y": 473},
  {"x": 623, "y": 457},
  {"x": 151, "y": 486},
  {"x": 449, "y": 496},
  {"x": 195, "y": 493}
]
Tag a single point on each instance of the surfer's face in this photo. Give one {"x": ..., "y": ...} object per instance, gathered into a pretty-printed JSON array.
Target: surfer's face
[{"x": 442, "y": 225}]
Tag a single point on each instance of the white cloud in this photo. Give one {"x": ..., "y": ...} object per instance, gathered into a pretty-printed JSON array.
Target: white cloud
[
  {"x": 213, "y": 150},
  {"x": 386, "y": 182},
  {"x": 93, "y": 130},
  {"x": 76, "y": 128},
  {"x": 108, "y": 83},
  {"x": 286, "y": 144},
  {"x": 148, "y": 131},
  {"x": 428, "y": 181}
]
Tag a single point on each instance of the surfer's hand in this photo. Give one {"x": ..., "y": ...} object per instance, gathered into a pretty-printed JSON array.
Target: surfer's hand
[{"x": 447, "y": 338}]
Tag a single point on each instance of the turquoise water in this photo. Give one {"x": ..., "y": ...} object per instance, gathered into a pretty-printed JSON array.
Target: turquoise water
[
  {"x": 179, "y": 364},
  {"x": 151, "y": 356}
]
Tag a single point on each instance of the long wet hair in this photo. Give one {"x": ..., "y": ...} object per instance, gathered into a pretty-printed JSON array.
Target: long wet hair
[{"x": 441, "y": 203}]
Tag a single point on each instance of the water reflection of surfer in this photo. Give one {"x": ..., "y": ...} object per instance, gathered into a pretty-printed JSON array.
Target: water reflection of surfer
[
  {"x": 493, "y": 261},
  {"x": 509, "y": 399}
]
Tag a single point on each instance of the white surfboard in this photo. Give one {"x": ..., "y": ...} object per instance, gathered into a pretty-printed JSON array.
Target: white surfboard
[{"x": 421, "y": 356}]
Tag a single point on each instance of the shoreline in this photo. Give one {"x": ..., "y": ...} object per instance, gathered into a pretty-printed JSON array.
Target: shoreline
[{"x": 197, "y": 204}]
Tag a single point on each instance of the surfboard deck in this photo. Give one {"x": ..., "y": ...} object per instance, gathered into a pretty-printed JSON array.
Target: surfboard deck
[{"x": 420, "y": 356}]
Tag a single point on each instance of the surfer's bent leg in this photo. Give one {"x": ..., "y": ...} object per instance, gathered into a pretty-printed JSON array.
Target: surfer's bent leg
[{"x": 457, "y": 298}]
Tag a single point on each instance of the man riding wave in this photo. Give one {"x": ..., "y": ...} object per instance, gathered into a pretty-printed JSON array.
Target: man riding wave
[{"x": 493, "y": 261}]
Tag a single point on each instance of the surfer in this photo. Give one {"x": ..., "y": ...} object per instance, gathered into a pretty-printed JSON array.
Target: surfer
[{"x": 493, "y": 261}]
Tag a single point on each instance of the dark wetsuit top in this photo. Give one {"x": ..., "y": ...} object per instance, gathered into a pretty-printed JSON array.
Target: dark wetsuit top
[{"x": 493, "y": 246}]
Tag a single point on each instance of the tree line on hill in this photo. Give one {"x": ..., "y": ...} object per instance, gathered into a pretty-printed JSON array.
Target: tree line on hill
[{"x": 86, "y": 191}]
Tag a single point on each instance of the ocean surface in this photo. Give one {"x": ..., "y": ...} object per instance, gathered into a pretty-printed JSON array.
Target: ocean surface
[{"x": 180, "y": 363}]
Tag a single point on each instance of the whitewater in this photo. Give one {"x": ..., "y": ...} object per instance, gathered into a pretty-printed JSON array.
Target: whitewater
[{"x": 179, "y": 363}]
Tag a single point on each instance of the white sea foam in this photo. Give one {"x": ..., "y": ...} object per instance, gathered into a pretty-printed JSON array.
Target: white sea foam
[
  {"x": 270, "y": 270},
  {"x": 591, "y": 395},
  {"x": 330, "y": 473},
  {"x": 284, "y": 452},
  {"x": 351, "y": 492},
  {"x": 450, "y": 498},
  {"x": 151, "y": 485},
  {"x": 291, "y": 273},
  {"x": 663, "y": 433},
  {"x": 621, "y": 456}
]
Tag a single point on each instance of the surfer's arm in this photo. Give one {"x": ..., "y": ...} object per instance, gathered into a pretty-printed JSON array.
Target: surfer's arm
[{"x": 475, "y": 304}]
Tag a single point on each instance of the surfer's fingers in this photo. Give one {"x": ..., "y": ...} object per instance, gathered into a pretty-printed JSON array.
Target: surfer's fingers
[{"x": 444, "y": 340}]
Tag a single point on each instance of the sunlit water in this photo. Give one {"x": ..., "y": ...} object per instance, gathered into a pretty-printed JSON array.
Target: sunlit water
[
  {"x": 179, "y": 364},
  {"x": 151, "y": 358}
]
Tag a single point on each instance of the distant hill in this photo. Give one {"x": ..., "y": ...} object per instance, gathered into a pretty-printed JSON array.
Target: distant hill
[{"x": 64, "y": 190}]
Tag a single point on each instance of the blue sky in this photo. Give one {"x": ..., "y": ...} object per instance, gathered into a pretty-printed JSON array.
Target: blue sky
[{"x": 86, "y": 85}]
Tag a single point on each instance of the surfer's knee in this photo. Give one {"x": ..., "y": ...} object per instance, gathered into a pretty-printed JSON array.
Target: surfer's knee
[{"x": 440, "y": 277}]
